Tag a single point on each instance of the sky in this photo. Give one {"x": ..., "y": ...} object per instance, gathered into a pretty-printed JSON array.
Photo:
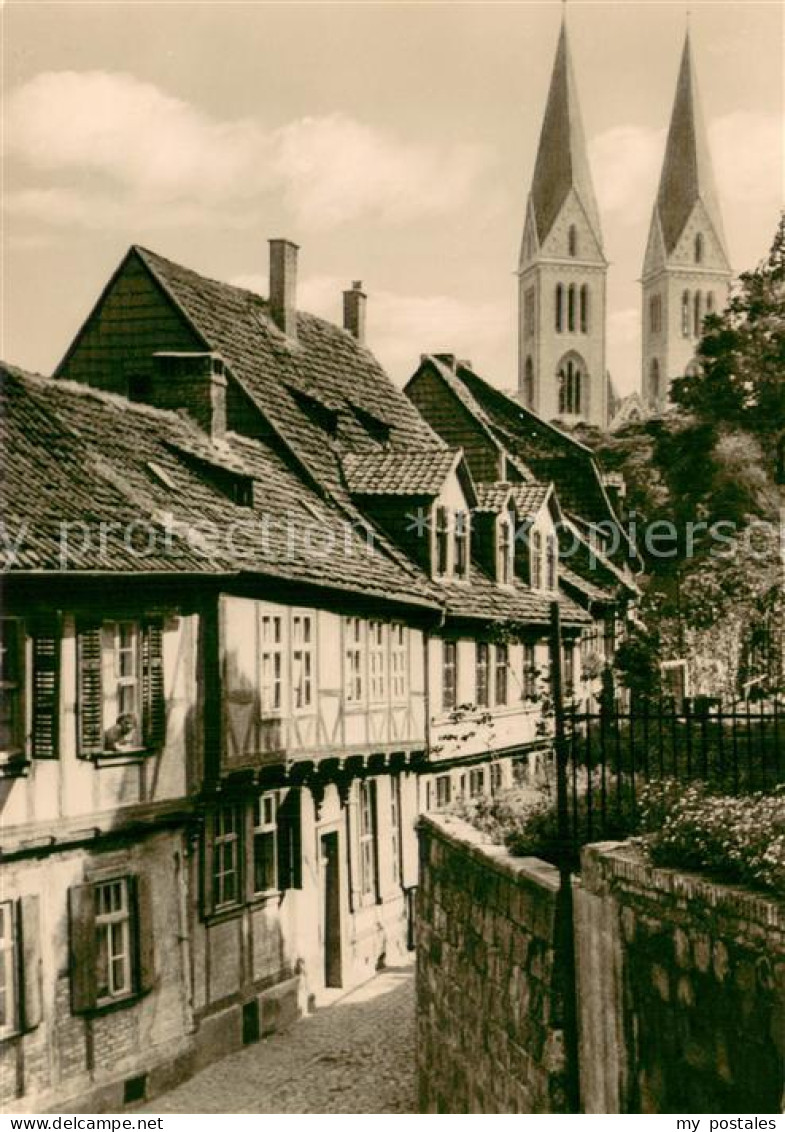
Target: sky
[{"x": 394, "y": 142}]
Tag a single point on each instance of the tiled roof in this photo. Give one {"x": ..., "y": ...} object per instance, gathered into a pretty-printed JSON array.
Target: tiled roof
[
  {"x": 591, "y": 590},
  {"x": 77, "y": 456},
  {"x": 529, "y": 497},
  {"x": 481, "y": 599},
  {"x": 325, "y": 362},
  {"x": 493, "y": 497},
  {"x": 399, "y": 472}
]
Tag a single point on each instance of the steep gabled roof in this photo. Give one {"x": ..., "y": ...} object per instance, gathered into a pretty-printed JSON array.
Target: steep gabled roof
[
  {"x": 76, "y": 455},
  {"x": 687, "y": 174},
  {"x": 399, "y": 473},
  {"x": 562, "y": 160}
]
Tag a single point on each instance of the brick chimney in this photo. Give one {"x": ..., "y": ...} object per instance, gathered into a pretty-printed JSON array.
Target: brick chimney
[
  {"x": 354, "y": 303},
  {"x": 195, "y": 382},
  {"x": 283, "y": 285}
]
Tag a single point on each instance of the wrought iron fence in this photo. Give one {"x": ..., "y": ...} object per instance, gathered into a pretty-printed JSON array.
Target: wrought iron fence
[{"x": 611, "y": 752}]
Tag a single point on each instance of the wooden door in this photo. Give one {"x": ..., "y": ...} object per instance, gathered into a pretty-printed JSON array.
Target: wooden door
[{"x": 331, "y": 908}]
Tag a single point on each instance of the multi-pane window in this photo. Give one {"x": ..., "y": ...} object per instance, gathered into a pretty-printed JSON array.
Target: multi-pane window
[
  {"x": 8, "y": 969},
  {"x": 442, "y": 541},
  {"x": 264, "y": 833},
  {"x": 395, "y": 828},
  {"x": 122, "y": 695},
  {"x": 461, "y": 544},
  {"x": 495, "y": 771},
  {"x": 368, "y": 847},
  {"x": 113, "y": 954},
  {"x": 559, "y": 308},
  {"x": 11, "y": 687},
  {"x": 505, "y": 550},
  {"x": 529, "y": 671},
  {"x": 354, "y": 657},
  {"x": 226, "y": 857},
  {"x": 535, "y": 544},
  {"x": 570, "y": 388},
  {"x": 302, "y": 662},
  {"x": 272, "y": 664},
  {"x": 584, "y": 309},
  {"x": 449, "y": 674},
  {"x": 552, "y": 559},
  {"x": 483, "y": 673},
  {"x": 377, "y": 662},
  {"x": 476, "y": 782},
  {"x": 399, "y": 667},
  {"x": 443, "y": 791},
  {"x": 502, "y": 668}
]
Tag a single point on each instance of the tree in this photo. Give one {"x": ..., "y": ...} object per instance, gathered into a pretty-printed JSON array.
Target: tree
[{"x": 741, "y": 383}]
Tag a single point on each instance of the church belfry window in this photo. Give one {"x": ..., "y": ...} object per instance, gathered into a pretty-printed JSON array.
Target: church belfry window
[
  {"x": 699, "y": 248},
  {"x": 572, "y": 241},
  {"x": 584, "y": 309},
  {"x": 709, "y": 302},
  {"x": 655, "y": 314},
  {"x": 559, "y": 309},
  {"x": 697, "y": 314},
  {"x": 570, "y": 388},
  {"x": 571, "y": 307},
  {"x": 685, "y": 314}
]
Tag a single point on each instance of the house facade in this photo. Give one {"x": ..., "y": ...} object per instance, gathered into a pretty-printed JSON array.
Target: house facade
[{"x": 266, "y": 609}]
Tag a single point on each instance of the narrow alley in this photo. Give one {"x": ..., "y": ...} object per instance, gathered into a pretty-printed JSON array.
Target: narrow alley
[{"x": 355, "y": 1055}]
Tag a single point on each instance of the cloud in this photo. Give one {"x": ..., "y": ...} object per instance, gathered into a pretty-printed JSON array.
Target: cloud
[
  {"x": 626, "y": 161},
  {"x": 401, "y": 327},
  {"x": 748, "y": 150},
  {"x": 127, "y": 146}
]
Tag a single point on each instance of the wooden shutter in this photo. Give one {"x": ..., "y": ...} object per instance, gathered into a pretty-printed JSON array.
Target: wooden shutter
[
  {"x": 141, "y": 901},
  {"x": 29, "y": 925},
  {"x": 375, "y": 819},
  {"x": 82, "y": 947},
  {"x": 153, "y": 698},
  {"x": 290, "y": 872},
  {"x": 46, "y": 690},
  {"x": 90, "y": 703},
  {"x": 206, "y": 862}
]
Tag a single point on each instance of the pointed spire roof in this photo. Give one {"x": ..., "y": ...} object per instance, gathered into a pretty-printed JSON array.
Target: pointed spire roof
[
  {"x": 562, "y": 162},
  {"x": 687, "y": 175}
]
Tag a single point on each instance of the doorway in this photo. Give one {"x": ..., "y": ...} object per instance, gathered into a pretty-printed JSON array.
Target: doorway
[{"x": 329, "y": 860}]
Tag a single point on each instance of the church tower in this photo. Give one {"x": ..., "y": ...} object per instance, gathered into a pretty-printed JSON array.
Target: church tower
[
  {"x": 686, "y": 272},
  {"x": 562, "y": 268}
]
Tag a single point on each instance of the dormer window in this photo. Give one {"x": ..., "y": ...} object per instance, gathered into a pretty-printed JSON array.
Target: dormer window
[
  {"x": 536, "y": 560},
  {"x": 461, "y": 544},
  {"x": 504, "y": 549},
  {"x": 442, "y": 541},
  {"x": 552, "y": 561}
]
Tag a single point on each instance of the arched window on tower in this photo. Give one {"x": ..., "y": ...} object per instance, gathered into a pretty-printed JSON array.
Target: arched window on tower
[
  {"x": 572, "y": 241},
  {"x": 584, "y": 309},
  {"x": 571, "y": 392},
  {"x": 571, "y": 307},
  {"x": 697, "y": 314},
  {"x": 699, "y": 248},
  {"x": 685, "y": 314},
  {"x": 528, "y": 383},
  {"x": 559, "y": 308},
  {"x": 654, "y": 382},
  {"x": 655, "y": 314},
  {"x": 709, "y": 302}
]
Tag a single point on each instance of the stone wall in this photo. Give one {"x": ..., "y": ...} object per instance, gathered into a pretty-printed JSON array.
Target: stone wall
[
  {"x": 489, "y": 1037},
  {"x": 681, "y": 990},
  {"x": 680, "y": 984}
]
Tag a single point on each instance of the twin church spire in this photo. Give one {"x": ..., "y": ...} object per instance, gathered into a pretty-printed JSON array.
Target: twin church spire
[{"x": 562, "y": 270}]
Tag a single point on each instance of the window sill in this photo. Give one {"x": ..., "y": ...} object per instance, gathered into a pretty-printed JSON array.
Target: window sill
[
  {"x": 123, "y": 758},
  {"x": 261, "y": 899},
  {"x": 109, "y": 1005}
]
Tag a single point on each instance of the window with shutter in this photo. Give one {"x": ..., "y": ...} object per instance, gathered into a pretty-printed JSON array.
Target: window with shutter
[
  {"x": 289, "y": 842},
  {"x": 153, "y": 699},
  {"x": 111, "y": 947},
  {"x": 90, "y": 706},
  {"x": 9, "y": 966},
  {"x": 82, "y": 947},
  {"x": 12, "y": 714},
  {"x": 46, "y": 690}
]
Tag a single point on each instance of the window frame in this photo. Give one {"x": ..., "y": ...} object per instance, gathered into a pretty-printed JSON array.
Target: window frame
[
  {"x": 396, "y": 839},
  {"x": 505, "y": 550},
  {"x": 263, "y": 830},
  {"x": 501, "y": 675},
  {"x": 354, "y": 653},
  {"x": 367, "y": 842},
  {"x": 476, "y": 781},
  {"x": 10, "y": 964},
  {"x": 377, "y": 662},
  {"x": 399, "y": 662},
  {"x": 551, "y": 563},
  {"x": 449, "y": 665},
  {"x": 461, "y": 544},
  {"x": 537, "y": 562},
  {"x": 303, "y": 652},
  {"x": 441, "y": 549},
  {"x": 482, "y": 649},
  {"x": 443, "y": 790},
  {"x": 104, "y": 922},
  {"x": 119, "y": 684},
  {"x": 233, "y": 840},
  {"x": 271, "y": 655},
  {"x": 13, "y": 690},
  {"x": 529, "y": 671}
]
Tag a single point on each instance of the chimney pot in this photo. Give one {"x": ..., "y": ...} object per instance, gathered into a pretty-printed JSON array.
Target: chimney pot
[
  {"x": 354, "y": 304},
  {"x": 283, "y": 285}
]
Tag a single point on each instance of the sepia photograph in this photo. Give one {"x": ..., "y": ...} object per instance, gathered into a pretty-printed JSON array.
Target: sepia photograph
[{"x": 392, "y": 560}]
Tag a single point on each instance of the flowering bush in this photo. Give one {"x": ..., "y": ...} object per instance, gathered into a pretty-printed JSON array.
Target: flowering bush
[{"x": 739, "y": 839}]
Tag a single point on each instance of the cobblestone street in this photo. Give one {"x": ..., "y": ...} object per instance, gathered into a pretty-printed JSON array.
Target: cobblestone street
[{"x": 356, "y": 1055}]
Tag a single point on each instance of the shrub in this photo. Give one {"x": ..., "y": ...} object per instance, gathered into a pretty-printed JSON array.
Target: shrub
[{"x": 738, "y": 839}]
